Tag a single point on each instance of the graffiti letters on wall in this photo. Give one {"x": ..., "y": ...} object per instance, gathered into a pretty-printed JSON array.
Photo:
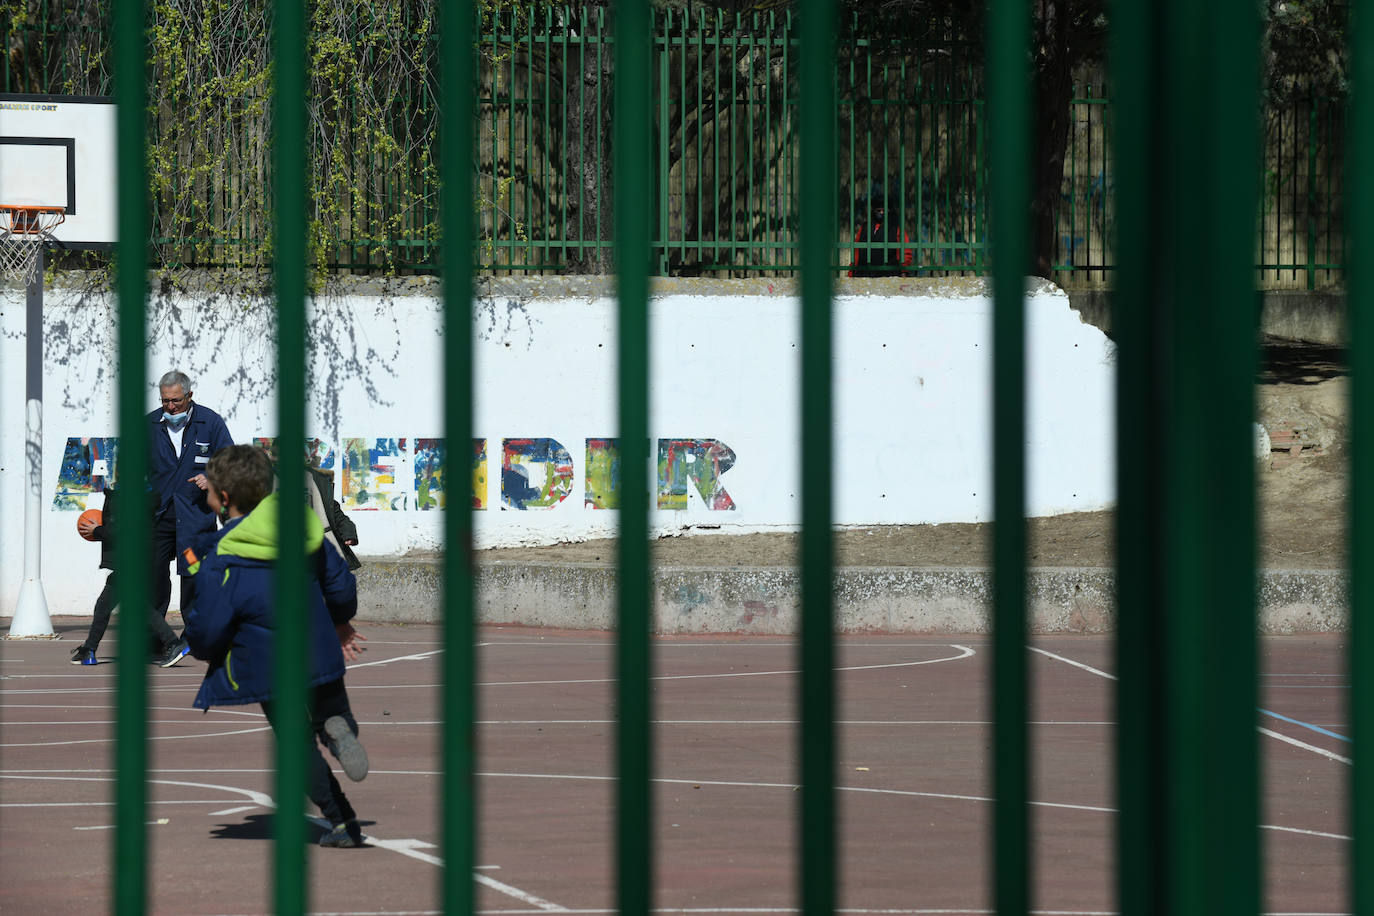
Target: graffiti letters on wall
[{"x": 402, "y": 474}]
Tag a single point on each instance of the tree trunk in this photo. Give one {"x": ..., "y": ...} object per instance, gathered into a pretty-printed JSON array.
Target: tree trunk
[
  {"x": 590, "y": 182},
  {"x": 1053, "y": 95}
]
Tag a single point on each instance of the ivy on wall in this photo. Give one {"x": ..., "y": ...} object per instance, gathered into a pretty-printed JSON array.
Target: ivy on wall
[{"x": 372, "y": 109}]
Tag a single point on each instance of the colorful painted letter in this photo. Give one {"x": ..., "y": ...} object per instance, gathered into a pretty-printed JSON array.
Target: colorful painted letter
[
  {"x": 87, "y": 464},
  {"x": 603, "y": 474},
  {"x": 700, "y": 460},
  {"x": 370, "y": 472},
  {"x": 535, "y": 473}
]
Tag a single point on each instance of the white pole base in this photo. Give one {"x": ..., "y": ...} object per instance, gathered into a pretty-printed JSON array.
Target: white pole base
[{"x": 31, "y": 619}]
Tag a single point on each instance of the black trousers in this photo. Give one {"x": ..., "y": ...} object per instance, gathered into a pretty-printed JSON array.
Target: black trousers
[
  {"x": 164, "y": 552},
  {"x": 162, "y": 634},
  {"x": 328, "y": 699}
]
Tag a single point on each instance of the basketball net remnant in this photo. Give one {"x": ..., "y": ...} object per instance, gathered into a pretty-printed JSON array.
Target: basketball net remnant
[{"x": 24, "y": 230}]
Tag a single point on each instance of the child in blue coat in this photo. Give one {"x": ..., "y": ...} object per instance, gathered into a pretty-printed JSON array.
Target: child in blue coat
[{"x": 232, "y": 625}]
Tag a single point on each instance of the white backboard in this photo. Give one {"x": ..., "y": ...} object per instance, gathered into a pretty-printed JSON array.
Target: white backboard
[{"x": 59, "y": 151}]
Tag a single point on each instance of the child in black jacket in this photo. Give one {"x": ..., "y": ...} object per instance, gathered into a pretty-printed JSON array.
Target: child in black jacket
[{"x": 172, "y": 648}]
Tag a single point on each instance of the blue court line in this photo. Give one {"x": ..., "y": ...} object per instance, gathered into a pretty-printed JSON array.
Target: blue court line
[{"x": 1315, "y": 728}]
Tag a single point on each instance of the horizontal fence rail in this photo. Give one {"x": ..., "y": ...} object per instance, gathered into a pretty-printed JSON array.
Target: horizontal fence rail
[{"x": 910, "y": 120}]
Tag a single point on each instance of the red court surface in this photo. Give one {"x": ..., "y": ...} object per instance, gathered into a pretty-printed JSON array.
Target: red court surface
[{"x": 912, "y": 774}]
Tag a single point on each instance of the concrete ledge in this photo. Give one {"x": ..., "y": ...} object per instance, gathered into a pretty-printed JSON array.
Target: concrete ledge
[
  {"x": 1307, "y": 316},
  {"x": 766, "y": 600}
]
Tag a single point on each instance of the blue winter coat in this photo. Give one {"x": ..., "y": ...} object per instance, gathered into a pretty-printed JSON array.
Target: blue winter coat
[
  {"x": 232, "y": 623},
  {"x": 170, "y": 476}
]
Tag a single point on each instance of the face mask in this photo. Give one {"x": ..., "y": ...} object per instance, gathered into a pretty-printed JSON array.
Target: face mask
[{"x": 175, "y": 421}]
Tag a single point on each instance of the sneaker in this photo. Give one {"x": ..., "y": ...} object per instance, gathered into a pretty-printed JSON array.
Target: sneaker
[
  {"x": 347, "y": 835},
  {"x": 175, "y": 653},
  {"x": 84, "y": 656},
  {"x": 345, "y": 747}
]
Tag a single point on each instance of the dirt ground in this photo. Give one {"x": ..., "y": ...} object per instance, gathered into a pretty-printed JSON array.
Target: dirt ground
[{"x": 1301, "y": 400}]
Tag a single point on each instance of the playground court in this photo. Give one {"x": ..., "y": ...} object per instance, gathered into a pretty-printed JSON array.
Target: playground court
[{"x": 912, "y": 772}]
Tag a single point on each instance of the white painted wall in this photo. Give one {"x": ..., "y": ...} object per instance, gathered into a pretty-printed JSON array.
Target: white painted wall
[{"x": 913, "y": 405}]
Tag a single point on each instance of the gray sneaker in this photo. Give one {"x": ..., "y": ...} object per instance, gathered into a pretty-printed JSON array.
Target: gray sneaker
[
  {"x": 346, "y": 748},
  {"x": 347, "y": 835}
]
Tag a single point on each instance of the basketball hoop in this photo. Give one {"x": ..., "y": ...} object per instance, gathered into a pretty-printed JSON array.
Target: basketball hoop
[{"x": 23, "y": 232}]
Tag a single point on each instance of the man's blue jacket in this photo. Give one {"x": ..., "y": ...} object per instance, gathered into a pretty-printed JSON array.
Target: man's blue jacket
[
  {"x": 170, "y": 476},
  {"x": 233, "y": 621}
]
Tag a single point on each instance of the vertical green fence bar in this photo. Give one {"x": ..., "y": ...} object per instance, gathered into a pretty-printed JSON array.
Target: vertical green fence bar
[
  {"x": 633, "y": 117},
  {"x": 1361, "y": 329},
  {"x": 662, "y": 48},
  {"x": 1183, "y": 613},
  {"x": 1140, "y": 589},
  {"x": 1187, "y": 326},
  {"x": 1009, "y": 184},
  {"x": 1227, "y": 355},
  {"x": 130, "y": 856},
  {"x": 291, "y": 879},
  {"x": 457, "y": 66},
  {"x": 1209, "y": 142},
  {"x": 1311, "y": 216},
  {"x": 817, "y": 21}
]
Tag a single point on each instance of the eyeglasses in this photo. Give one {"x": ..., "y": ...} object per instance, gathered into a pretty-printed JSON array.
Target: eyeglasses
[{"x": 177, "y": 402}]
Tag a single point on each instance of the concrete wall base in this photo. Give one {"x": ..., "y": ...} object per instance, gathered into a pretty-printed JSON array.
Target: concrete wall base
[
  {"x": 1307, "y": 316},
  {"x": 766, "y": 600}
]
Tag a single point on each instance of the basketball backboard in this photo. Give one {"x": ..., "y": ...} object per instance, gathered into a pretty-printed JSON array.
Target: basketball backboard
[{"x": 59, "y": 151}]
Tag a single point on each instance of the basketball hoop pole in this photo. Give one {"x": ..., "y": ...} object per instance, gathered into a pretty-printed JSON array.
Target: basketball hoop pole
[{"x": 31, "y": 619}]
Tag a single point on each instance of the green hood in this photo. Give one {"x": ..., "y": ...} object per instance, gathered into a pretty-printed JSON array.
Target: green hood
[{"x": 255, "y": 538}]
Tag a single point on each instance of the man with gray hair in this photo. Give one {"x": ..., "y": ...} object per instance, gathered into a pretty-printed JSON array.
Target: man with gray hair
[{"x": 182, "y": 437}]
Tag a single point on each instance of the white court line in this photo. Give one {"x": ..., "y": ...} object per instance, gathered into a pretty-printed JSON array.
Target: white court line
[
  {"x": 259, "y": 798},
  {"x": 53, "y": 691},
  {"x": 544, "y": 905},
  {"x": 1263, "y": 731},
  {"x": 13, "y": 724},
  {"x": 859, "y": 911},
  {"x": 111, "y": 721},
  {"x": 402, "y": 642},
  {"x": 961, "y": 723},
  {"x": 761, "y": 910},
  {"x": 1305, "y": 746},
  {"x": 1299, "y": 830},
  {"x": 964, "y": 652},
  {"x": 110, "y": 804},
  {"x": 1068, "y": 661},
  {"x": 419, "y": 656},
  {"x": 110, "y": 772},
  {"x": 772, "y": 911},
  {"x": 112, "y": 738},
  {"x": 743, "y": 643},
  {"x": 228, "y": 811},
  {"x": 411, "y": 848},
  {"x": 199, "y": 719},
  {"x": 860, "y": 790}
]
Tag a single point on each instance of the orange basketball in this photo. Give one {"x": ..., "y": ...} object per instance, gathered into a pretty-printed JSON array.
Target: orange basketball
[{"x": 93, "y": 515}]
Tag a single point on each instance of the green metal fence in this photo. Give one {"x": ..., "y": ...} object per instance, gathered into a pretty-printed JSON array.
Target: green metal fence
[
  {"x": 1187, "y": 762},
  {"x": 910, "y": 115}
]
